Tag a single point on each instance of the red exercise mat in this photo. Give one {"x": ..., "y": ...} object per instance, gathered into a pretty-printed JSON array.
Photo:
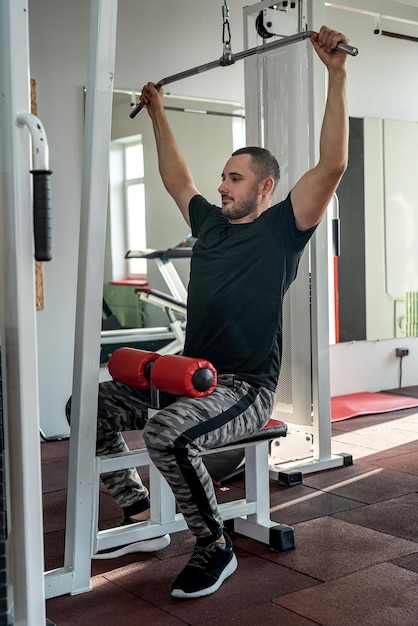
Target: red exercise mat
[{"x": 367, "y": 403}]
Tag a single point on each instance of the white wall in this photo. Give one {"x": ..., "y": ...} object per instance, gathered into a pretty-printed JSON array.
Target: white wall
[
  {"x": 156, "y": 39},
  {"x": 383, "y": 78},
  {"x": 372, "y": 365},
  {"x": 162, "y": 37}
]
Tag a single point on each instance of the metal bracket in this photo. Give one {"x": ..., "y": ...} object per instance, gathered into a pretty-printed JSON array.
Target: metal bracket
[{"x": 226, "y": 58}]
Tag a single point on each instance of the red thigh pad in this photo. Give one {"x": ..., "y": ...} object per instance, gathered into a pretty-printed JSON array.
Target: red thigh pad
[
  {"x": 131, "y": 366},
  {"x": 183, "y": 376}
]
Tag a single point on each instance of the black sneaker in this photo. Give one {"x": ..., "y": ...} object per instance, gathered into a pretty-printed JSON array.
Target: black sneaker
[{"x": 207, "y": 569}]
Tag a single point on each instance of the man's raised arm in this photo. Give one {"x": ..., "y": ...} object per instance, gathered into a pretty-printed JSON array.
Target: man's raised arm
[
  {"x": 313, "y": 192},
  {"x": 174, "y": 171}
]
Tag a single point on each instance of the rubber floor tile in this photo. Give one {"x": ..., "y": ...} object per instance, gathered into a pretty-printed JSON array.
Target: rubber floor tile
[
  {"x": 255, "y": 578},
  {"x": 301, "y": 503},
  {"x": 398, "y": 516},
  {"x": 54, "y": 450},
  {"x": 106, "y": 605},
  {"x": 264, "y": 614},
  {"x": 376, "y": 437},
  {"x": 328, "y": 548},
  {"x": 363, "y": 482},
  {"x": 410, "y": 561},
  {"x": 383, "y": 595},
  {"x": 406, "y": 463}
]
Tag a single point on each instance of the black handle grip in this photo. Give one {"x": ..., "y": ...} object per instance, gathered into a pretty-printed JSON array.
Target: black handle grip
[
  {"x": 42, "y": 214},
  {"x": 136, "y": 110}
]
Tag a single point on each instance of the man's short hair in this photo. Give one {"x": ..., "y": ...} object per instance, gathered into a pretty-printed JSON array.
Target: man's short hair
[{"x": 263, "y": 163}]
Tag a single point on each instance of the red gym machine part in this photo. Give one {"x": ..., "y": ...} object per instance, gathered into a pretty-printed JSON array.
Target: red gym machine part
[
  {"x": 170, "y": 373},
  {"x": 183, "y": 376},
  {"x": 132, "y": 366}
]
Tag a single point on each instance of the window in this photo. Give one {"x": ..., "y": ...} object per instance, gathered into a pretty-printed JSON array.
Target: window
[
  {"x": 135, "y": 205},
  {"x": 127, "y": 206}
]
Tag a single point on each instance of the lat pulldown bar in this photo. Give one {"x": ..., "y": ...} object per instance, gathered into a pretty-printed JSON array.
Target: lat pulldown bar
[{"x": 230, "y": 59}]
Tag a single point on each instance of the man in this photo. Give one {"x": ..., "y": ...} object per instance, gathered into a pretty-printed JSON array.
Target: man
[{"x": 245, "y": 257}]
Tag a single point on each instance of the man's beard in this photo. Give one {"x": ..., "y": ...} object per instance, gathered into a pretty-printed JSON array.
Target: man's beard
[{"x": 242, "y": 208}]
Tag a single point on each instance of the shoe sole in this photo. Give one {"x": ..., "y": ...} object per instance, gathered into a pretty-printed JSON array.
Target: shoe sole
[
  {"x": 229, "y": 569},
  {"x": 148, "y": 545}
]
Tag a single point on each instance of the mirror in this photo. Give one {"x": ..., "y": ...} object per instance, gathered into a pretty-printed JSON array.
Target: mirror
[{"x": 377, "y": 280}]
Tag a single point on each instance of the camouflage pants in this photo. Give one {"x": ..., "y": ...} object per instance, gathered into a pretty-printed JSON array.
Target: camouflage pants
[{"x": 175, "y": 437}]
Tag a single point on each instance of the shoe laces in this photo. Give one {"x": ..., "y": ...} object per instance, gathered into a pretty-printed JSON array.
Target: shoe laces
[{"x": 201, "y": 556}]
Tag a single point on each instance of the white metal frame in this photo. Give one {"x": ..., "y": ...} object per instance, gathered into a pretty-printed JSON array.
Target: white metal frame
[
  {"x": 74, "y": 577},
  {"x": 25, "y": 561},
  {"x": 310, "y": 344},
  {"x": 250, "y": 515},
  {"x": 299, "y": 387}
]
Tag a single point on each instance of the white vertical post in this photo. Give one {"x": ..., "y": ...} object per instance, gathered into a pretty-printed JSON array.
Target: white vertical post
[
  {"x": 102, "y": 49},
  {"x": 307, "y": 389},
  {"x": 18, "y": 324},
  {"x": 283, "y": 129},
  {"x": 321, "y": 403}
]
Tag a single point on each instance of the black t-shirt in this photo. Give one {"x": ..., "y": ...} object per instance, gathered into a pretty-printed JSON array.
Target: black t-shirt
[{"x": 239, "y": 275}]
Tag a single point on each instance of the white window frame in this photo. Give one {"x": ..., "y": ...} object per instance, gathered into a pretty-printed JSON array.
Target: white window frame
[{"x": 119, "y": 231}]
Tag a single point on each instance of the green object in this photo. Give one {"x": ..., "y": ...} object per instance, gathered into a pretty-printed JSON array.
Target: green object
[{"x": 124, "y": 305}]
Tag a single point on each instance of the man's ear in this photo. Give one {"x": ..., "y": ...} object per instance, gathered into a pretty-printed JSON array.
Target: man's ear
[{"x": 266, "y": 186}]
